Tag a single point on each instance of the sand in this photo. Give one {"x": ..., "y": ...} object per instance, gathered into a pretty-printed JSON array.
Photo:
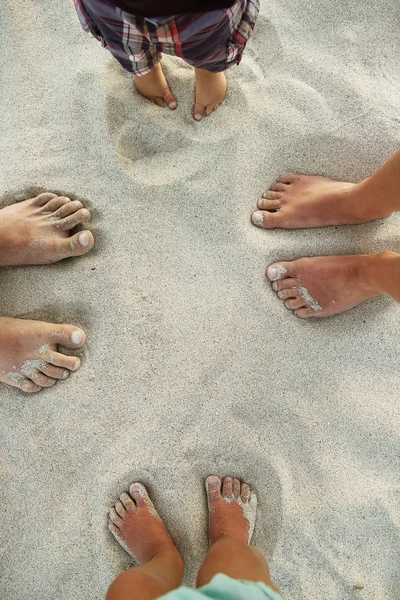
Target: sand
[{"x": 192, "y": 365}]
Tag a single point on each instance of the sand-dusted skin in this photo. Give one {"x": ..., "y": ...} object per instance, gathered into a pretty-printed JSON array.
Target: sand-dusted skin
[
  {"x": 136, "y": 525},
  {"x": 329, "y": 285},
  {"x": 34, "y": 232}
]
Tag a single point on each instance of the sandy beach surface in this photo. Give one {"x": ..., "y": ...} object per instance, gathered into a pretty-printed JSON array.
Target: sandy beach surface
[{"x": 192, "y": 365}]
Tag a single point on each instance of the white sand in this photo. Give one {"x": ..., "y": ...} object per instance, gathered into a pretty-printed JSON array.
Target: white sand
[{"x": 192, "y": 365}]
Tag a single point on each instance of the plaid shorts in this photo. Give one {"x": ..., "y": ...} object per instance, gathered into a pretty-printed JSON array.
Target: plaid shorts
[{"x": 213, "y": 40}]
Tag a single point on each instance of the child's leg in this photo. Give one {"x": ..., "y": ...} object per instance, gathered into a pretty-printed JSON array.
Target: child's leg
[
  {"x": 212, "y": 42},
  {"x": 136, "y": 525},
  {"x": 232, "y": 510},
  {"x": 130, "y": 44}
]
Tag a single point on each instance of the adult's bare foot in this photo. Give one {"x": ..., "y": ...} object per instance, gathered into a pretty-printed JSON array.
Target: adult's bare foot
[
  {"x": 29, "y": 359},
  {"x": 38, "y": 231},
  {"x": 154, "y": 86},
  {"x": 210, "y": 92},
  {"x": 328, "y": 285},
  {"x": 137, "y": 527},
  {"x": 232, "y": 509},
  {"x": 301, "y": 201}
]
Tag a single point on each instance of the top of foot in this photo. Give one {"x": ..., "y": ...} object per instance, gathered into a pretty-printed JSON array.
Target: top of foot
[
  {"x": 323, "y": 286},
  {"x": 210, "y": 92},
  {"x": 301, "y": 201},
  {"x": 154, "y": 86},
  {"x": 38, "y": 231},
  {"x": 29, "y": 357},
  {"x": 137, "y": 527},
  {"x": 232, "y": 509}
]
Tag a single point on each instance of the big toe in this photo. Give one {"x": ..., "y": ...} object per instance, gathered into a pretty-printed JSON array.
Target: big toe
[
  {"x": 280, "y": 271},
  {"x": 170, "y": 99},
  {"x": 69, "y": 336},
  {"x": 213, "y": 487},
  {"x": 198, "y": 112},
  {"x": 78, "y": 244}
]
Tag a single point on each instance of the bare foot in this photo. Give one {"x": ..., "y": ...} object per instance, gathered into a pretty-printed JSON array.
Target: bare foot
[
  {"x": 137, "y": 527},
  {"x": 154, "y": 86},
  {"x": 232, "y": 509},
  {"x": 300, "y": 201},
  {"x": 29, "y": 359},
  {"x": 210, "y": 92},
  {"x": 37, "y": 231},
  {"x": 323, "y": 286}
]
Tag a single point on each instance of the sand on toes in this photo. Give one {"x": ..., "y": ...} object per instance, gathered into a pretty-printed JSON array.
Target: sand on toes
[
  {"x": 302, "y": 201},
  {"x": 29, "y": 355},
  {"x": 322, "y": 286},
  {"x": 136, "y": 525},
  {"x": 38, "y": 231},
  {"x": 232, "y": 507}
]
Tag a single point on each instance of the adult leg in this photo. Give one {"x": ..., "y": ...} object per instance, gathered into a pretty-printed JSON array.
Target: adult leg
[
  {"x": 232, "y": 512},
  {"x": 136, "y": 525},
  {"x": 300, "y": 201}
]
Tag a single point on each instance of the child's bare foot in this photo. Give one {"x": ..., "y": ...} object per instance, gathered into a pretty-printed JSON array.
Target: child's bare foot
[
  {"x": 300, "y": 201},
  {"x": 135, "y": 524},
  {"x": 37, "y": 231},
  {"x": 210, "y": 92},
  {"x": 325, "y": 286},
  {"x": 28, "y": 353},
  {"x": 154, "y": 86},
  {"x": 232, "y": 509}
]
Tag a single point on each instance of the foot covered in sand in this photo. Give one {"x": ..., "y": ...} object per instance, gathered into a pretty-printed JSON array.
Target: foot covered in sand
[
  {"x": 29, "y": 359},
  {"x": 137, "y": 527},
  {"x": 38, "y": 231},
  {"x": 232, "y": 509},
  {"x": 210, "y": 92},
  {"x": 323, "y": 286},
  {"x": 300, "y": 201},
  {"x": 154, "y": 86}
]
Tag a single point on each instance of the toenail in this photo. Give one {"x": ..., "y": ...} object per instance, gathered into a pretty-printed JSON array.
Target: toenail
[
  {"x": 85, "y": 212},
  {"x": 65, "y": 374},
  {"x": 260, "y": 203},
  {"x": 84, "y": 238},
  {"x": 257, "y": 217},
  {"x": 76, "y": 337},
  {"x": 78, "y": 204},
  {"x": 272, "y": 273},
  {"x": 172, "y": 105},
  {"x": 265, "y": 195},
  {"x": 197, "y": 116},
  {"x": 275, "y": 286}
]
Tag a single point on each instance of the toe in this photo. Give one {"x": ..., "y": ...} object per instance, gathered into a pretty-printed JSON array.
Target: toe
[
  {"x": 279, "y": 187},
  {"x": 78, "y": 217},
  {"x": 29, "y": 387},
  {"x": 120, "y": 509},
  {"x": 42, "y": 199},
  {"x": 54, "y": 372},
  {"x": 295, "y": 303},
  {"x": 289, "y": 293},
  {"x": 115, "y": 518},
  {"x": 266, "y": 220},
  {"x": 198, "y": 112},
  {"x": 245, "y": 493},
  {"x": 288, "y": 178},
  {"x": 227, "y": 487},
  {"x": 127, "y": 501},
  {"x": 280, "y": 271},
  {"x": 78, "y": 244},
  {"x": 236, "y": 488},
  {"x": 114, "y": 530},
  {"x": 42, "y": 380},
  {"x": 268, "y": 204},
  {"x": 270, "y": 195},
  {"x": 282, "y": 284},
  {"x": 54, "y": 204},
  {"x": 72, "y": 363},
  {"x": 139, "y": 493},
  {"x": 170, "y": 99},
  {"x": 67, "y": 335},
  {"x": 213, "y": 487},
  {"x": 68, "y": 208},
  {"x": 305, "y": 313}
]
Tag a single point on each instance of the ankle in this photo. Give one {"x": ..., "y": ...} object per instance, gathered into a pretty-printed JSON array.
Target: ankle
[{"x": 380, "y": 273}]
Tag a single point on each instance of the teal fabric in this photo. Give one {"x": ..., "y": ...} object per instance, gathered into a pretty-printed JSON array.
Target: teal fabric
[{"x": 222, "y": 587}]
